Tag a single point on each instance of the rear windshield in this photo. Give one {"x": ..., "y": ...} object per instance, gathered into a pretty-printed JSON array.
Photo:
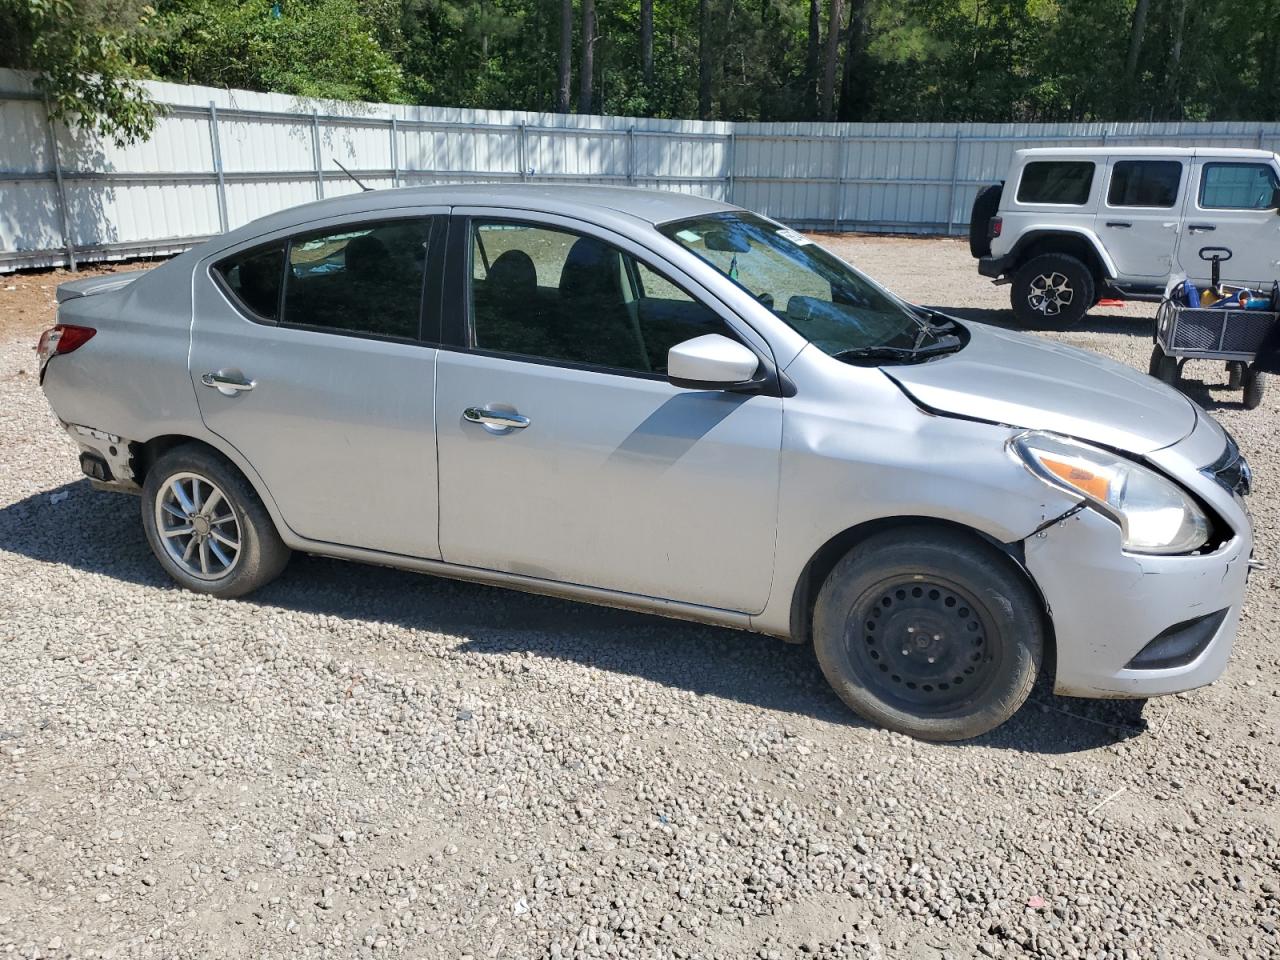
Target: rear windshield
[{"x": 1056, "y": 181}]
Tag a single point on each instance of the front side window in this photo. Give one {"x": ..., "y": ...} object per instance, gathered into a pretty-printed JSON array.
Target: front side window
[
  {"x": 364, "y": 278},
  {"x": 1237, "y": 186},
  {"x": 1056, "y": 181},
  {"x": 552, "y": 294},
  {"x": 253, "y": 280},
  {"x": 1144, "y": 183},
  {"x": 822, "y": 298}
]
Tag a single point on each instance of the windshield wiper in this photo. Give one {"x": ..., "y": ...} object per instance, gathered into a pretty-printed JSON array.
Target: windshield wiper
[{"x": 945, "y": 344}]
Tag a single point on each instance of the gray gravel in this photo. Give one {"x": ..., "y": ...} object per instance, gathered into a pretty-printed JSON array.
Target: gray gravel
[{"x": 362, "y": 762}]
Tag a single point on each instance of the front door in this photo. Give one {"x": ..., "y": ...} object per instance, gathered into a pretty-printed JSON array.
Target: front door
[
  {"x": 308, "y": 356},
  {"x": 1138, "y": 216},
  {"x": 1233, "y": 206},
  {"x": 565, "y": 454}
]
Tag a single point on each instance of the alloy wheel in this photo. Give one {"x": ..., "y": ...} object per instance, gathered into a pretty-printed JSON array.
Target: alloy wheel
[
  {"x": 1050, "y": 294},
  {"x": 198, "y": 526}
]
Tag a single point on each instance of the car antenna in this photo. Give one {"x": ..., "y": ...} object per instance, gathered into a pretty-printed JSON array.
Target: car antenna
[{"x": 352, "y": 176}]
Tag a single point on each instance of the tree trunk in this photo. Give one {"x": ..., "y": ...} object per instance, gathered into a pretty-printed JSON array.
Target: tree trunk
[
  {"x": 1173, "y": 78},
  {"x": 1136, "y": 32},
  {"x": 646, "y": 44},
  {"x": 586, "y": 72},
  {"x": 855, "y": 84},
  {"x": 831, "y": 58},
  {"x": 704, "y": 59},
  {"x": 811, "y": 59},
  {"x": 566, "y": 56}
]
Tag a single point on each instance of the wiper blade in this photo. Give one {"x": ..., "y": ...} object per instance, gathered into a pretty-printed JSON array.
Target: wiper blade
[{"x": 946, "y": 344}]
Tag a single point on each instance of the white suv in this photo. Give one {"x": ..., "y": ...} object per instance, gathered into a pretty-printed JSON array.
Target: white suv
[{"x": 1071, "y": 225}]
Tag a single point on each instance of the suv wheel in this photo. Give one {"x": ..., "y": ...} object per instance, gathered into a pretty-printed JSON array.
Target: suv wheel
[
  {"x": 931, "y": 633},
  {"x": 206, "y": 525},
  {"x": 1052, "y": 291}
]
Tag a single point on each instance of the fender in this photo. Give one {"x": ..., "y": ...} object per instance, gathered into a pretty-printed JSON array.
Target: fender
[{"x": 1044, "y": 232}]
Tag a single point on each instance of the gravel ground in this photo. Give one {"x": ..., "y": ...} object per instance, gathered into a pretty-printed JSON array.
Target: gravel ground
[{"x": 363, "y": 762}]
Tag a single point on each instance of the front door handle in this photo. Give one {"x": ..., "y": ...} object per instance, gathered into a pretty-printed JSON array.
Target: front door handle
[
  {"x": 1119, "y": 223},
  {"x": 499, "y": 419},
  {"x": 1197, "y": 227},
  {"x": 228, "y": 384}
]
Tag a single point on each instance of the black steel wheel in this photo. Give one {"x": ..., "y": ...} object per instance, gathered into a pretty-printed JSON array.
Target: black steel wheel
[{"x": 930, "y": 632}]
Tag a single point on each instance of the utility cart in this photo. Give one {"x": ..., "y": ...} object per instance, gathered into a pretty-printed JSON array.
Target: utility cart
[{"x": 1232, "y": 334}]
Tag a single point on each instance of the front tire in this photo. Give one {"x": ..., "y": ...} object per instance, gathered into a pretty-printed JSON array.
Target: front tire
[
  {"x": 931, "y": 633},
  {"x": 1164, "y": 368},
  {"x": 1052, "y": 292},
  {"x": 1255, "y": 385},
  {"x": 207, "y": 526}
]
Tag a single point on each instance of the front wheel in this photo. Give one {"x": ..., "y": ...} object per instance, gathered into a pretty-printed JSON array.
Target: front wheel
[
  {"x": 1052, "y": 291},
  {"x": 207, "y": 526},
  {"x": 931, "y": 633},
  {"x": 1255, "y": 384},
  {"x": 1164, "y": 367}
]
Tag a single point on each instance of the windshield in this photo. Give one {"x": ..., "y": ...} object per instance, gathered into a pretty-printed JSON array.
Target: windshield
[{"x": 826, "y": 301}]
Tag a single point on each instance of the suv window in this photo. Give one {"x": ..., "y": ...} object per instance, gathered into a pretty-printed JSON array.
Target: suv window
[
  {"x": 1056, "y": 181},
  {"x": 557, "y": 295},
  {"x": 253, "y": 279},
  {"x": 1237, "y": 186},
  {"x": 1144, "y": 183},
  {"x": 364, "y": 278}
]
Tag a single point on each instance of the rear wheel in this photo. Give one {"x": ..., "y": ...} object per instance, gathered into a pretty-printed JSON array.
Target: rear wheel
[
  {"x": 1255, "y": 384},
  {"x": 1164, "y": 367},
  {"x": 207, "y": 526},
  {"x": 931, "y": 633},
  {"x": 1052, "y": 291},
  {"x": 1235, "y": 374}
]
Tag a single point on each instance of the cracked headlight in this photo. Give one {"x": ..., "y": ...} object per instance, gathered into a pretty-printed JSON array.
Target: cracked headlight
[{"x": 1155, "y": 514}]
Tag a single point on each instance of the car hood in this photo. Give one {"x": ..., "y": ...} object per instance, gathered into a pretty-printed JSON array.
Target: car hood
[{"x": 1026, "y": 381}]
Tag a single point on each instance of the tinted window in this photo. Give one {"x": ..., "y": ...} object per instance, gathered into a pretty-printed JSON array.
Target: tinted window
[
  {"x": 1056, "y": 181},
  {"x": 1237, "y": 186},
  {"x": 253, "y": 278},
  {"x": 556, "y": 295},
  {"x": 1144, "y": 183},
  {"x": 362, "y": 279}
]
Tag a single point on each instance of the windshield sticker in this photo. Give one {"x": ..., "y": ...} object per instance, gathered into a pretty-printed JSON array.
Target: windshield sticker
[
  {"x": 799, "y": 239},
  {"x": 688, "y": 236}
]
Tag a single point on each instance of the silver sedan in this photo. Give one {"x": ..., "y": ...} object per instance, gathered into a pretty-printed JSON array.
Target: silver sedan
[{"x": 665, "y": 403}]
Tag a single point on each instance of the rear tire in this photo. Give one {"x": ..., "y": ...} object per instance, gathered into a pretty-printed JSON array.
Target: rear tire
[
  {"x": 929, "y": 632},
  {"x": 1164, "y": 368},
  {"x": 985, "y": 206},
  {"x": 207, "y": 526},
  {"x": 1235, "y": 374},
  {"x": 1052, "y": 292},
  {"x": 1255, "y": 385}
]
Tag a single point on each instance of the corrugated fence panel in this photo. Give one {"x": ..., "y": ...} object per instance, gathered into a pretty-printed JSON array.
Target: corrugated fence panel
[{"x": 220, "y": 158}]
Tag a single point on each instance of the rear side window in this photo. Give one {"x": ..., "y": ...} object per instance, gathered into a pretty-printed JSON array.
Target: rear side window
[
  {"x": 364, "y": 279},
  {"x": 253, "y": 279},
  {"x": 1237, "y": 186},
  {"x": 1056, "y": 181},
  {"x": 1144, "y": 183}
]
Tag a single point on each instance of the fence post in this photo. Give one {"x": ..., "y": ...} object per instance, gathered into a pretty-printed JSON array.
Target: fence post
[
  {"x": 955, "y": 177},
  {"x": 631, "y": 155},
  {"x": 1259, "y": 138},
  {"x": 217, "y": 166},
  {"x": 521, "y": 157},
  {"x": 733, "y": 160},
  {"x": 395, "y": 152},
  {"x": 838, "y": 206},
  {"x": 315, "y": 154},
  {"x": 62, "y": 190}
]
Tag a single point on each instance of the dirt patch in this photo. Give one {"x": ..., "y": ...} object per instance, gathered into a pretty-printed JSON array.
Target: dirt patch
[{"x": 27, "y": 302}]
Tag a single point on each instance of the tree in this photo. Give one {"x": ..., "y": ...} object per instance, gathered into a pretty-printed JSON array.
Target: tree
[
  {"x": 704, "y": 59},
  {"x": 88, "y": 58},
  {"x": 812, "y": 55},
  {"x": 586, "y": 73},
  {"x": 830, "y": 59},
  {"x": 646, "y": 42},
  {"x": 566, "y": 56}
]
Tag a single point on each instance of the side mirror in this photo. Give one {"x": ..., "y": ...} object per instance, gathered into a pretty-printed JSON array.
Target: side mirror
[{"x": 710, "y": 362}]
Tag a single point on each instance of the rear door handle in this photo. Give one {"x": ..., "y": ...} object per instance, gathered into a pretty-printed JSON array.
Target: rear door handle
[
  {"x": 1119, "y": 223},
  {"x": 1197, "y": 227},
  {"x": 227, "y": 384},
  {"x": 499, "y": 419}
]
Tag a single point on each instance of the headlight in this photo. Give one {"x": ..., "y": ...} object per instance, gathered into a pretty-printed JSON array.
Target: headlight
[{"x": 1154, "y": 514}]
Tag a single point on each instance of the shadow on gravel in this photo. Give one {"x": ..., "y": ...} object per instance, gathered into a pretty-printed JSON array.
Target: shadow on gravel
[
  {"x": 100, "y": 533},
  {"x": 1092, "y": 323}
]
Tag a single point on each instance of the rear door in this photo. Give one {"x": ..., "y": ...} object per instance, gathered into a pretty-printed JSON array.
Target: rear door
[
  {"x": 1232, "y": 206},
  {"x": 1138, "y": 217},
  {"x": 311, "y": 355},
  {"x": 607, "y": 475}
]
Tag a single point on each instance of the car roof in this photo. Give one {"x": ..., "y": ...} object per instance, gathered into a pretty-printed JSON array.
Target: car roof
[
  {"x": 594, "y": 203},
  {"x": 1037, "y": 153}
]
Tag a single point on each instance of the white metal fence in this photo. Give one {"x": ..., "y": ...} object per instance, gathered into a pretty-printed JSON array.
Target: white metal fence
[{"x": 219, "y": 158}]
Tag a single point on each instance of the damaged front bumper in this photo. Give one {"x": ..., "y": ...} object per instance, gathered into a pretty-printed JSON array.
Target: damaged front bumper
[{"x": 106, "y": 459}]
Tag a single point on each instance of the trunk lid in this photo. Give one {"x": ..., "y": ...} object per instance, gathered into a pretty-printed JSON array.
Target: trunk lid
[{"x": 89, "y": 286}]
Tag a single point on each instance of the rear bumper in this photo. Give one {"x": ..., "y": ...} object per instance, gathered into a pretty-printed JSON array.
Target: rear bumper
[
  {"x": 994, "y": 267},
  {"x": 1107, "y": 606},
  {"x": 110, "y": 452}
]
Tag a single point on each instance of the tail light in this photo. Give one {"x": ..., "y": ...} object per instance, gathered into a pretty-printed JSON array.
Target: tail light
[
  {"x": 997, "y": 224},
  {"x": 64, "y": 338}
]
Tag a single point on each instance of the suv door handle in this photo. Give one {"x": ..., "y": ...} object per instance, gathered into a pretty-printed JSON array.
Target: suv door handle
[
  {"x": 495, "y": 418},
  {"x": 1197, "y": 227},
  {"x": 227, "y": 385},
  {"x": 1119, "y": 223}
]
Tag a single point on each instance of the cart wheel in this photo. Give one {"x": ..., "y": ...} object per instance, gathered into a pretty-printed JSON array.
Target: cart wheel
[
  {"x": 1235, "y": 374},
  {"x": 1255, "y": 383},
  {"x": 1164, "y": 367}
]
